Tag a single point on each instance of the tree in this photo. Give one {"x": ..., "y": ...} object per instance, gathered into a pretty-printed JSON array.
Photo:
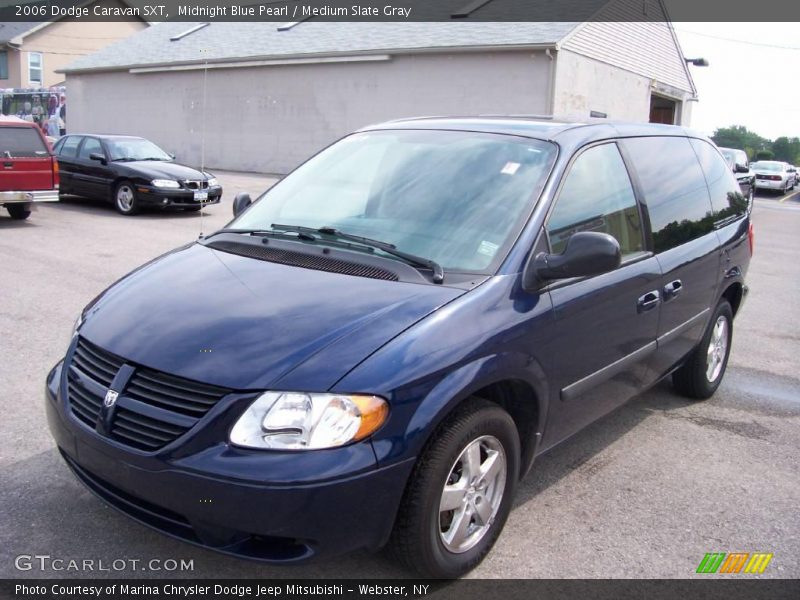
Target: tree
[
  {"x": 786, "y": 149},
  {"x": 764, "y": 155},
  {"x": 738, "y": 136}
]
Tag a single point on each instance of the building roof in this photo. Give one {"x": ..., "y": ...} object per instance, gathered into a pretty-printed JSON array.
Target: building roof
[
  {"x": 19, "y": 29},
  {"x": 231, "y": 41},
  {"x": 10, "y": 30}
]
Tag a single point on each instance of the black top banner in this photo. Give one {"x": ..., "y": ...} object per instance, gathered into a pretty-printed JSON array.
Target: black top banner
[{"x": 399, "y": 10}]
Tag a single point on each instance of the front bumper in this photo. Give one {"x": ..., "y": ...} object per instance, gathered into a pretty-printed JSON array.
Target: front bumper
[
  {"x": 282, "y": 512},
  {"x": 29, "y": 196},
  {"x": 149, "y": 195}
]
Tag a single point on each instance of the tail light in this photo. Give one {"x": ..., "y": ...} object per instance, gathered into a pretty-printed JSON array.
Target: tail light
[
  {"x": 751, "y": 237},
  {"x": 55, "y": 171},
  {"x": 774, "y": 177}
]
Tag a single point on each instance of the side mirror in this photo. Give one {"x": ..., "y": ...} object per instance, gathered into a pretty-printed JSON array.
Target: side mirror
[
  {"x": 740, "y": 168},
  {"x": 240, "y": 202},
  {"x": 587, "y": 253},
  {"x": 98, "y": 157}
]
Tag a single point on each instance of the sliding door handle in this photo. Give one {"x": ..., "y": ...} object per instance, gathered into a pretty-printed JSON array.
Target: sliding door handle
[{"x": 672, "y": 289}]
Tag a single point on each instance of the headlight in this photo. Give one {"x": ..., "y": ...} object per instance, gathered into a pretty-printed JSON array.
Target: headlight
[
  {"x": 299, "y": 421},
  {"x": 212, "y": 181},
  {"x": 166, "y": 183}
]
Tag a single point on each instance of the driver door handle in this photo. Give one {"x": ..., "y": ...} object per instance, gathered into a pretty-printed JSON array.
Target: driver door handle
[{"x": 648, "y": 302}]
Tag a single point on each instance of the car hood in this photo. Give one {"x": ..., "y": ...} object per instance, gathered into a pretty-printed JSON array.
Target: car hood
[
  {"x": 243, "y": 323},
  {"x": 156, "y": 169}
]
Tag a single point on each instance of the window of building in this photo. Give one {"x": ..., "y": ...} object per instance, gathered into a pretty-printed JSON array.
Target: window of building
[
  {"x": 3, "y": 64},
  {"x": 674, "y": 189},
  {"x": 597, "y": 196},
  {"x": 35, "y": 62}
]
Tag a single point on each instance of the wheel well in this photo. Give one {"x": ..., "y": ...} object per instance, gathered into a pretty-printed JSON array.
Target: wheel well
[
  {"x": 734, "y": 296},
  {"x": 519, "y": 400}
]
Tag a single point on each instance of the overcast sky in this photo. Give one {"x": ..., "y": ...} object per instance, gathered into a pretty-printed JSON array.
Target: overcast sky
[{"x": 750, "y": 81}]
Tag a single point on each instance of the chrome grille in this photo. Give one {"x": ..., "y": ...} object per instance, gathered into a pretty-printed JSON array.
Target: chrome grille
[
  {"x": 195, "y": 184},
  {"x": 153, "y": 408}
]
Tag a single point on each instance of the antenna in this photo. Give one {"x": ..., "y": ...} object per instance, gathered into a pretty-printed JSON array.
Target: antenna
[{"x": 203, "y": 135}]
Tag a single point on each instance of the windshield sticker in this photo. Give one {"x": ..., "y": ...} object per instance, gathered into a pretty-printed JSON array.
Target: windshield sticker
[
  {"x": 487, "y": 248},
  {"x": 510, "y": 168}
]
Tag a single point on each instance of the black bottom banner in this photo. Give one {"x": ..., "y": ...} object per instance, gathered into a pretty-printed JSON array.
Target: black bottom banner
[{"x": 353, "y": 589}]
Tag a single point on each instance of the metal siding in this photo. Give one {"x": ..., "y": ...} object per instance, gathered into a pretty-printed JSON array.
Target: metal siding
[
  {"x": 269, "y": 119},
  {"x": 645, "y": 48}
]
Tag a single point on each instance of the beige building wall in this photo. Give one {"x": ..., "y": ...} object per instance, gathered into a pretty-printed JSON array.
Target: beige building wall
[{"x": 60, "y": 44}]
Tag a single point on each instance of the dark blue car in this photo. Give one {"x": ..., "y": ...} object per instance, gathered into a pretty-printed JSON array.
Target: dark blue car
[{"x": 375, "y": 351}]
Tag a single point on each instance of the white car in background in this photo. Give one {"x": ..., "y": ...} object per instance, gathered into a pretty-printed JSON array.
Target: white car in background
[{"x": 774, "y": 175}]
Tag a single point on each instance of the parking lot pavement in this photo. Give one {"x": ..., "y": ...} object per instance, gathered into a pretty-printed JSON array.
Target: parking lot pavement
[
  {"x": 645, "y": 492},
  {"x": 792, "y": 197}
]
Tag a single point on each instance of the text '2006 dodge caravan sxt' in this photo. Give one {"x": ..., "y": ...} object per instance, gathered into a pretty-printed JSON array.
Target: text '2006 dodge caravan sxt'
[{"x": 376, "y": 350}]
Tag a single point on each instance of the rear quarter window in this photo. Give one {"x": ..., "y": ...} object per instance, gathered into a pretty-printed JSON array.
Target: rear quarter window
[
  {"x": 23, "y": 142},
  {"x": 674, "y": 189},
  {"x": 727, "y": 200}
]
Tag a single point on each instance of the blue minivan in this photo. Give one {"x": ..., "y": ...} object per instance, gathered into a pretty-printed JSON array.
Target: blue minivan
[{"x": 375, "y": 351}]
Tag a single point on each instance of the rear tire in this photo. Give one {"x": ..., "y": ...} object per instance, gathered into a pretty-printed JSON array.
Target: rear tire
[
  {"x": 701, "y": 374},
  {"x": 19, "y": 212},
  {"x": 125, "y": 200},
  {"x": 471, "y": 463}
]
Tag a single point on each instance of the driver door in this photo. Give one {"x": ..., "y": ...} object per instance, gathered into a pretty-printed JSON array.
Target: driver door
[{"x": 605, "y": 325}]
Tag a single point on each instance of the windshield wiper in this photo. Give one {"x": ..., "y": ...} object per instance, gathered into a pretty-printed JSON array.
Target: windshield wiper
[
  {"x": 436, "y": 268},
  {"x": 303, "y": 235}
]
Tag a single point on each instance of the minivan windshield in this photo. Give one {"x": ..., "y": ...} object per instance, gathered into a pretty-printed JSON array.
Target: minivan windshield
[
  {"x": 135, "y": 149},
  {"x": 457, "y": 198}
]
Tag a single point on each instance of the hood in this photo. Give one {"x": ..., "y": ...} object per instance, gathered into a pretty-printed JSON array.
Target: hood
[
  {"x": 156, "y": 169},
  {"x": 243, "y": 323}
]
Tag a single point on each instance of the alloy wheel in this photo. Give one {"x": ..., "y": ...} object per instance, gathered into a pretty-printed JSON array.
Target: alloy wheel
[{"x": 472, "y": 494}]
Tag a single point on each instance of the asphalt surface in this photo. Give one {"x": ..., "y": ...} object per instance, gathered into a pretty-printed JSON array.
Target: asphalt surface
[{"x": 644, "y": 492}]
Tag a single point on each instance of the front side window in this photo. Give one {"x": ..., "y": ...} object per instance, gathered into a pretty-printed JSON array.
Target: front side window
[
  {"x": 90, "y": 146},
  {"x": 597, "y": 196},
  {"x": 458, "y": 198},
  {"x": 35, "y": 67},
  {"x": 674, "y": 189}
]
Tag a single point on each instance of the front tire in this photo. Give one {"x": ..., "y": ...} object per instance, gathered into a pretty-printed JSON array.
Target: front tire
[
  {"x": 703, "y": 371},
  {"x": 125, "y": 200},
  {"x": 460, "y": 492},
  {"x": 19, "y": 212}
]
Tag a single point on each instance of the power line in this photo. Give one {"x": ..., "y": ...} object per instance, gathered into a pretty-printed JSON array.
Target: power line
[{"x": 737, "y": 41}]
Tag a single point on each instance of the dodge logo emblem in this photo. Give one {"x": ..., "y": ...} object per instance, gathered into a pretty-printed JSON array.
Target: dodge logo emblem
[{"x": 111, "y": 398}]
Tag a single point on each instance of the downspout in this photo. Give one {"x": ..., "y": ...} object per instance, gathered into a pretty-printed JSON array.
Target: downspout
[{"x": 551, "y": 84}]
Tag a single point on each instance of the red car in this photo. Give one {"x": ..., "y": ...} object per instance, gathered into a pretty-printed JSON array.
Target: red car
[{"x": 30, "y": 170}]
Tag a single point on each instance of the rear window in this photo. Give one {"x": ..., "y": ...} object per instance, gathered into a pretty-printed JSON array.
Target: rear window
[{"x": 24, "y": 142}]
